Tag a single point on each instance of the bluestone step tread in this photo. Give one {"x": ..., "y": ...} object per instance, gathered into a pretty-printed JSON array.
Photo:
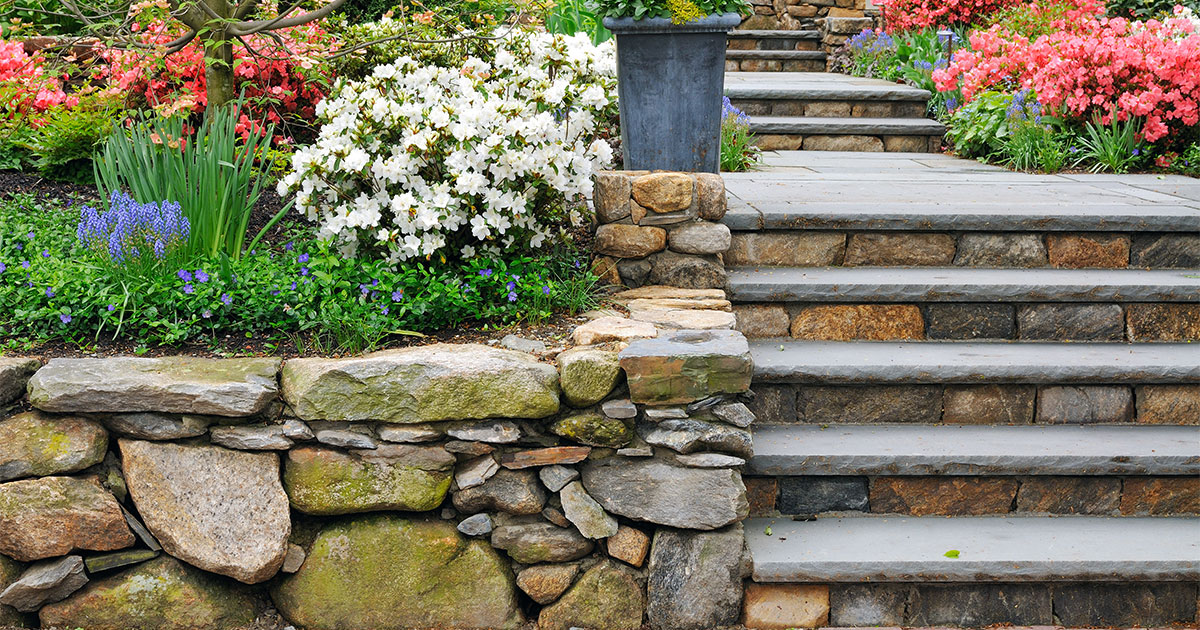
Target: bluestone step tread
[
  {"x": 990, "y": 549},
  {"x": 777, "y": 34},
  {"x": 775, "y": 54},
  {"x": 975, "y": 450},
  {"x": 801, "y": 90},
  {"x": 875, "y": 363},
  {"x": 961, "y": 284},
  {"x": 805, "y": 125},
  {"x": 752, "y": 214}
]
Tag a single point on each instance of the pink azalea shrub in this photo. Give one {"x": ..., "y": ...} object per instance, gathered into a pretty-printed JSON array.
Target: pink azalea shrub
[
  {"x": 908, "y": 15},
  {"x": 39, "y": 91},
  {"x": 1091, "y": 65}
]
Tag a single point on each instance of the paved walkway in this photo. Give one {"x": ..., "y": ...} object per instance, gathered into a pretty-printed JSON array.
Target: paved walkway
[{"x": 937, "y": 180}]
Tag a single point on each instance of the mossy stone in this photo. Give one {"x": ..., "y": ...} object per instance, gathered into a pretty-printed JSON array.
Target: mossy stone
[
  {"x": 162, "y": 594},
  {"x": 325, "y": 481},
  {"x": 390, "y": 573},
  {"x": 593, "y": 429},
  {"x": 588, "y": 375},
  {"x": 38, "y": 444},
  {"x": 606, "y": 596}
]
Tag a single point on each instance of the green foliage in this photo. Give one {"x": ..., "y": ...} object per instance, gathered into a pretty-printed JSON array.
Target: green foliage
[
  {"x": 911, "y": 56},
  {"x": 63, "y": 146},
  {"x": 738, "y": 152},
  {"x": 211, "y": 173},
  {"x": 1115, "y": 147},
  {"x": 979, "y": 128},
  {"x": 1035, "y": 147},
  {"x": 1146, "y": 9},
  {"x": 568, "y": 17},
  {"x": 1032, "y": 20},
  {"x": 305, "y": 292},
  {"x": 405, "y": 36},
  {"x": 1188, "y": 162},
  {"x": 674, "y": 9}
]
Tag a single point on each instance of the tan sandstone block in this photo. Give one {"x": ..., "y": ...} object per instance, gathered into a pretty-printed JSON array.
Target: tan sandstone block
[
  {"x": 1168, "y": 404},
  {"x": 942, "y": 496},
  {"x": 629, "y": 241},
  {"x": 871, "y": 322},
  {"x": 1159, "y": 496},
  {"x": 757, "y": 321},
  {"x": 629, "y": 545},
  {"x": 1163, "y": 322},
  {"x": 783, "y": 606},
  {"x": 1080, "y": 251},
  {"x": 664, "y": 192},
  {"x": 785, "y": 249}
]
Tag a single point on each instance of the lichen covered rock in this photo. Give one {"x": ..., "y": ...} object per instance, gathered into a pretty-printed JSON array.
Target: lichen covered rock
[
  {"x": 51, "y": 516},
  {"x": 606, "y": 596},
  {"x": 423, "y": 384},
  {"x": 593, "y": 429},
  {"x": 326, "y": 481},
  {"x": 588, "y": 375},
  {"x": 36, "y": 444},
  {"x": 385, "y": 572},
  {"x": 163, "y": 594}
]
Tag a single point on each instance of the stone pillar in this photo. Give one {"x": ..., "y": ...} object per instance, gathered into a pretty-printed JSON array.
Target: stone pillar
[{"x": 660, "y": 228}]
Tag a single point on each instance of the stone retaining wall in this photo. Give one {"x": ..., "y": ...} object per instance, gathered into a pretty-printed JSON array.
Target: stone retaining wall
[{"x": 455, "y": 486}]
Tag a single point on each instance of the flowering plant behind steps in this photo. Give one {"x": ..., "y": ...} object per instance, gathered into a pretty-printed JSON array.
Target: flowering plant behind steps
[
  {"x": 135, "y": 236},
  {"x": 418, "y": 161},
  {"x": 738, "y": 151}
]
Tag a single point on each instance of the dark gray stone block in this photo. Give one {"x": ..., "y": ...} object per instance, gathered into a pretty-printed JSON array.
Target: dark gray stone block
[
  {"x": 870, "y": 404},
  {"x": 1170, "y": 250},
  {"x": 814, "y": 495},
  {"x": 858, "y": 605},
  {"x": 983, "y": 249},
  {"x": 633, "y": 272},
  {"x": 975, "y": 605},
  {"x": 1142, "y": 605},
  {"x": 969, "y": 321},
  {"x": 773, "y": 404},
  {"x": 1075, "y": 322},
  {"x": 1084, "y": 404},
  {"x": 695, "y": 580}
]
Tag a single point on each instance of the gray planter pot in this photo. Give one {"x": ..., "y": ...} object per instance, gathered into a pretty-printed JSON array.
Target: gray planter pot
[{"x": 670, "y": 79}]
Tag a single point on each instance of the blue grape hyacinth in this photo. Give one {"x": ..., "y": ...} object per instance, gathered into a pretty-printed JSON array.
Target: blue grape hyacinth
[{"x": 130, "y": 229}]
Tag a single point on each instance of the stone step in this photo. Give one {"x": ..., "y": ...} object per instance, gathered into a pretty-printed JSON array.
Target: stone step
[
  {"x": 960, "y": 284},
  {"x": 774, "y": 40},
  {"x": 1005, "y": 549},
  {"x": 975, "y": 450},
  {"x": 879, "y": 363},
  {"x": 820, "y": 133},
  {"x": 748, "y": 213},
  {"x": 799, "y": 95},
  {"x": 774, "y": 61}
]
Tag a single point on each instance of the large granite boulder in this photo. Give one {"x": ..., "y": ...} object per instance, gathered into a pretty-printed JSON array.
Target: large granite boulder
[
  {"x": 14, "y": 375},
  {"x": 52, "y": 516},
  {"x": 191, "y": 385},
  {"x": 657, "y": 492},
  {"x": 685, "y": 366},
  {"x": 220, "y": 510},
  {"x": 423, "y": 384},
  {"x": 35, "y": 444},
  {"x": 326, "y": 481},
  {"x": 385, "y": 572},
  {"x": 162, "y": 594},
  {"x": 606, "y": 596},
  {"x": 696, "y": 578}
]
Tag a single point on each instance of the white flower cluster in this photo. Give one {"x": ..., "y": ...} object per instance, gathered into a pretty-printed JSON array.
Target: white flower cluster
[{"x": 423, "y": 160}]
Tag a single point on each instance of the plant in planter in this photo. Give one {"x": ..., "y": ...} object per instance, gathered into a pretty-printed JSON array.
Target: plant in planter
[{"x": 670, "y": 79}]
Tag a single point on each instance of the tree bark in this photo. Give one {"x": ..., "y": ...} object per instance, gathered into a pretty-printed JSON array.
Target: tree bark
[{"x": 218, "y": 72}]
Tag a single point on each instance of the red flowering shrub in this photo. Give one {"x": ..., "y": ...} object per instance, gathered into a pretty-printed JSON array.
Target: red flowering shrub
[
  {"x": 908, "y": 15},
  {"x": 1093, "y": 66}
]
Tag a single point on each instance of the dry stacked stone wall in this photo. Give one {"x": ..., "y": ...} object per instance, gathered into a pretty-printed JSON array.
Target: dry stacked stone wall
[{"x": 457, "y": 486}]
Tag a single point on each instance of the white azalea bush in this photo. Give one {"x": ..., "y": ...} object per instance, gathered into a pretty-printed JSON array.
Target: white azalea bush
[{"x": 417, "y": 160}]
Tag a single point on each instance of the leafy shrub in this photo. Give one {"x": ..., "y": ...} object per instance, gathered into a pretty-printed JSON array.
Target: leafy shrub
[
  {"x": 1188, "y": 161},
  {"x": 417, "y": 160},
  {"x": 905, "y": 15},
  {"x": 210, "y": 173},
  {"x": 978, "y": 128},
  {"x": 679, "y": 11},
  {"x": 1088, "y": 64},
  {"x": 912, "y": 56},
  {"x": 51, "y": 288},
  {"x": 1035, "y": 147},
  {"x": 738, "y": 152},
  {"x": 376, "y": 43},
  {"x": 1147, "y": 9},
  {"x": 568, "y": 17},
  {"x": 63, "y": 144}
]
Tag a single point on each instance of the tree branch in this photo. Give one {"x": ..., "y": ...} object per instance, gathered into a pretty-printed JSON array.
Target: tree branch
[{"x": 257, "y": 26}]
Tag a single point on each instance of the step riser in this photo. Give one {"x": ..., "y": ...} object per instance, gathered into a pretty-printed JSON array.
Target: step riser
[
  {"x": 973, "y": 495},
  {"x": 1073, "y": 605},
  {"x": 774, "y": 65},
  {"x": 1061, "y": 250},
  {"x": 849, "y": 142},
  {"x": 831, "y": 108},
  {"x": 774, "y": 43},
  {"x": 965, "y": 321},
  {"x": 983, "y": 404}
]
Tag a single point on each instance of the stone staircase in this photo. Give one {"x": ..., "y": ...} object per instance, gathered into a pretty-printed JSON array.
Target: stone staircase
[
  {"x": 831, "y": 112},
  {"x": 774, "y": 51},
  {"x": 977, "y": 393}
]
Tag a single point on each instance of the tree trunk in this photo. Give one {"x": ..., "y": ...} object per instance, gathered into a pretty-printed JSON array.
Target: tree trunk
[{"x": 218, "y": 71}]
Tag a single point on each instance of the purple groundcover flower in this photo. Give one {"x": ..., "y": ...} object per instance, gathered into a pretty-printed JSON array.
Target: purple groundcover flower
[
  {"x": 546, "y": 290},
  {"x": 3, "y": 267},
  {"x": 304, "y": 271},
  {"x": 184, "y": 274},
  {"x": 302, "y": 259},
  {"x": 64, "y": 318},
  {"x": 512, "y": 297},
  {"x": 24, "y": 264},
  {"x": 112, "y": 307},
  {"x": 189, "y": 289},
  {"x": 226, "y": 300},
  {"x": 49, "y": 292},
  {"x": 201, "y": 276},
  {"x": 510, "y": 286},
  {"x": 486, "y": 273},
  {"x": 397, "y": 296}
]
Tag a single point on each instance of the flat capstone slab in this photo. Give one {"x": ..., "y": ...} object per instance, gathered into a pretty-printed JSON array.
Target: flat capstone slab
[
  {"x": 753, "y": 214},
  {"x": 835, "y": 126},
  {"x": 975, "y": 450},
  {"x": 811, "y": 86},
  {"x": 990, "y": 549},
  {"x": 873, "y": 363},
  {"x": 955, "y": 284}
]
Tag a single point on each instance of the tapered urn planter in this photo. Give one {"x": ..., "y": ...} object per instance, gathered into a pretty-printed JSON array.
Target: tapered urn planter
[{"x": 670, "y": 79}]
